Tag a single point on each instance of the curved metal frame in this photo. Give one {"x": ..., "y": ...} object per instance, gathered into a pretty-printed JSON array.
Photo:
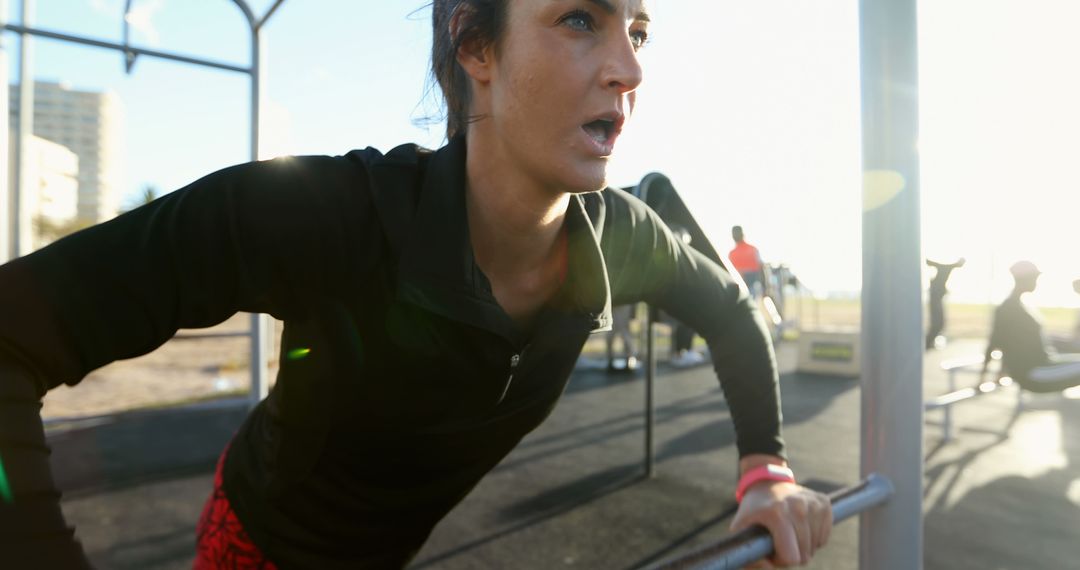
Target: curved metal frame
[{"x": 10, "y": 234}]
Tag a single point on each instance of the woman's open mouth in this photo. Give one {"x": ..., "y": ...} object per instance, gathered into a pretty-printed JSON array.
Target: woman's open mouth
[
  {"x": 603, "y": 132},
  {"x": 600, "y": 130}
]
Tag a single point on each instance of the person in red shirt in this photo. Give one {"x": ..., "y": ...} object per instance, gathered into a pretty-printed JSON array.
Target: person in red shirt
[{"x": 747, "y": 261}]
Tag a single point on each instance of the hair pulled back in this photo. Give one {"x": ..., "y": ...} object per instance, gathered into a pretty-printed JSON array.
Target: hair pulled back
[{"x": 482, "y": 21}]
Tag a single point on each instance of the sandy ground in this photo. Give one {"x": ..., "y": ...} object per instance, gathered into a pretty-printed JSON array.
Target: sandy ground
[
  {"x": 181, "y": 370},
  {"x": 185, "y": 370}
]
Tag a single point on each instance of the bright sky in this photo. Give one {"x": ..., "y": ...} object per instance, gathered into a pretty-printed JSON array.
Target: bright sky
[{"x": 752, "y": 109}]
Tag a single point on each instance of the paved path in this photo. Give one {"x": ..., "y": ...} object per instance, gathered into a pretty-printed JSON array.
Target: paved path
[{"x": 1005, "y": 495}]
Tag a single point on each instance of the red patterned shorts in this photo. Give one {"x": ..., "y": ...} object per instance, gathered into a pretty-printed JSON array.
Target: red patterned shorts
[{"x": 222, "y": 543}]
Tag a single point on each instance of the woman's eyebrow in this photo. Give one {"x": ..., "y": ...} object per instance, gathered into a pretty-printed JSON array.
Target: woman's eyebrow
[{"x": 610, "y": 8}]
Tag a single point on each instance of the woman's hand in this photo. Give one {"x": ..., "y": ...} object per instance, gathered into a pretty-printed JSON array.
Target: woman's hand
[{"x": 799, "y": 520}]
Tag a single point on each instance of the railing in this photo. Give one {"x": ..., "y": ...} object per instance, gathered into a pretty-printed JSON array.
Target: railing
[{"x": 753, "y": 544}]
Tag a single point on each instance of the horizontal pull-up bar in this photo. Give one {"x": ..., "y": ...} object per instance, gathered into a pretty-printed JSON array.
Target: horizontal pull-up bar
[
  {"x": 202, "y": 335},
  {"x": 962, "y": 394},
  {"x": 125, "y": 49},
  {"x": 753, "y": 544}
]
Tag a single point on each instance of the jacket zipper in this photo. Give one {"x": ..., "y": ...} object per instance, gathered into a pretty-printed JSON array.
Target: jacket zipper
[{"x": 515, "y": 359}]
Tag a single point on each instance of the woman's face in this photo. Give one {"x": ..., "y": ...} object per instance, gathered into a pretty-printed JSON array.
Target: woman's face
[{"x": 562, "y": 83}]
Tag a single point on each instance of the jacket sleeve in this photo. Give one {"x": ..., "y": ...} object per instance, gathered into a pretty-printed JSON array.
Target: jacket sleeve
[
  {"x": 646, "y": 263},
  {"x": 259, "y": 237}
]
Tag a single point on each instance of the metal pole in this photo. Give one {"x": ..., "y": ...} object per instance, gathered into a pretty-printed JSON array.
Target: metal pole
[
  {"x": 261, "y": 325},
  {"x": 22, "y": 193},
  {"x": 7, "y": 224},
  {"x": 947, "y": 420},
  {"x": 892, "y": 403},
  {"x": 650, "y": 375}
]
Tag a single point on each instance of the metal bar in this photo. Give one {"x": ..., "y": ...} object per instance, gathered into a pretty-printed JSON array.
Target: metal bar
[
  {"x": 260, "y": 324},
  {"x": 962, "y": 362},
  {"x": 22, "y": 192},
  {"x": 650, "y": 376},
  {"x": 125, "y": 49},
  {"x": 945, "y": 402},
  {"x": 270, "y": 12},
  {"x": 750, "y": 545},
  {"x": 891, "y": 538},
  {"x": 192, "y": 336},
  {"x": 7, "y": 213},
  {"x": 249, "y": 14},
  {"x": 947, "y": 419}
]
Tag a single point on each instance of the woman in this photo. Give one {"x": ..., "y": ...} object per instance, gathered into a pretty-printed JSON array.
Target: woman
[{"x": 434, "y": 306}]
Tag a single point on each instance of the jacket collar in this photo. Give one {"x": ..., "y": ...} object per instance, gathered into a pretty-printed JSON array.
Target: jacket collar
[{"x": 437, "y": 269}]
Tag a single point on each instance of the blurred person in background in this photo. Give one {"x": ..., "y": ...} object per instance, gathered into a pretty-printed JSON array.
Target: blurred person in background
[
  {"x": 936, "y": 300},
  {"x": 621, "y": 317},
  {"x": 1018, "y": 333},
  {"x": 746, "y": 259}
]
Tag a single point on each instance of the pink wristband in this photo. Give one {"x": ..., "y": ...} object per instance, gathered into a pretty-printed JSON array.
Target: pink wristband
[{"x": 767, "y": 472}]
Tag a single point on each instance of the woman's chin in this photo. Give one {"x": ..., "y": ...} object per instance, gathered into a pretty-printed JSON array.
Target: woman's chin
[{"x": 584, "y": 180}]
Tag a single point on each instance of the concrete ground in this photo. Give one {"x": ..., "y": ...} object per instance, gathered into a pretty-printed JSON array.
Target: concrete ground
[{"x": 1005, "y": 494}]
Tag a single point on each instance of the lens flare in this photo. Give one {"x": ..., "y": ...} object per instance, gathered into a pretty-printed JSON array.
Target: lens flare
[
  {"x": 297, "y": 353},
  {"x": 5, "y": 488}
]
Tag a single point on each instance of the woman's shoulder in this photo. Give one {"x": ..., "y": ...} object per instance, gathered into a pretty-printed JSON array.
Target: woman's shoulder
[
  {"x": 367, "y": 169},
  {"x": 619, "y": 205},
  {"x": 404, "y": 155}
]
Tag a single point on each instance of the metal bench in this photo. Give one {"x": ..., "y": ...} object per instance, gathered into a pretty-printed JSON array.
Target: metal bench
[{"x": 970, "y": 364}]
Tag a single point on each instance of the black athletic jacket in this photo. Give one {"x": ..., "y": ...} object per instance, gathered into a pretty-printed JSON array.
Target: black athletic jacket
[{"x": 410, "y": 382}]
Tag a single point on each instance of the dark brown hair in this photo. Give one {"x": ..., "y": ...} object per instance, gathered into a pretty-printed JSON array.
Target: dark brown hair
[{"x": 480, "y": 20}]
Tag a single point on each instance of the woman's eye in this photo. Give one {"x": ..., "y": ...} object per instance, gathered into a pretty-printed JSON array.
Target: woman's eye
[
  {"x": 580, "y": 21},
  {"x": 639, "y": 38}
]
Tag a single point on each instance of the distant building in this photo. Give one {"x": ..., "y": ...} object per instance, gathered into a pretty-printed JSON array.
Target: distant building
[
  {"x": 52, "y": 171},
  {"x": 90, "y": 125}
]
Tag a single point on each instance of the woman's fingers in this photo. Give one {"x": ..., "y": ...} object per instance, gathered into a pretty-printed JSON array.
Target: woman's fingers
[
  {"x": 798, "y": 519},
  {"x": 825, "y": 523}
]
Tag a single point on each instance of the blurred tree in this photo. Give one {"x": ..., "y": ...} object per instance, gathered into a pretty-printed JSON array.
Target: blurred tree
[
  {"x": 48, "y": 230},
  {"x": 148, "y": 194}
]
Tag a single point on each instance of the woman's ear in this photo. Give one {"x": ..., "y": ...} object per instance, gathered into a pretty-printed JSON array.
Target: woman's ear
[{"x": 473, "y": 55}]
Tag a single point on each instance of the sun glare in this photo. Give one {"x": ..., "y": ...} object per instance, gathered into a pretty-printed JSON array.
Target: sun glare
[{"x": 998, "y": 86}]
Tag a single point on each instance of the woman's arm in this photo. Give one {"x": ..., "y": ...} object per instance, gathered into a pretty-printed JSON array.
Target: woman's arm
[
  {"x": 260, "y": 237},
  {"x": 703, "y": 294},
  {"x": 646, "y": 262}
]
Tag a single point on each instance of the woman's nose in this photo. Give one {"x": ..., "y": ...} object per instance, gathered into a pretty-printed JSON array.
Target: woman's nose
[{"x": 624, "y": 71}]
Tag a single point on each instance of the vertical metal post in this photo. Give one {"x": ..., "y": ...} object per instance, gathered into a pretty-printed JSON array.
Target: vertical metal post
[
  {"x": 947, "y": 412},
  {"x": 650, "y": 375},
  {"x": 260, "y": 324},
  {"x": 7, "y": 224},
  {"x": 892, "y": 406},
  {"x": 22, "y": 193}
]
